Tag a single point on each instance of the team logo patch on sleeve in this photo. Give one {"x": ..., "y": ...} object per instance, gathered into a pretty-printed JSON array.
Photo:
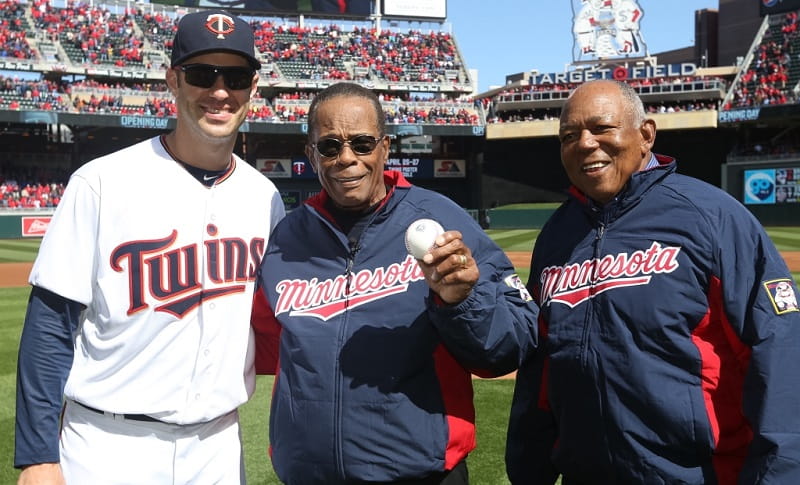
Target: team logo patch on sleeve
[
  {"x": 514, "y": 281},
  {"x": 781, "y": 294}
]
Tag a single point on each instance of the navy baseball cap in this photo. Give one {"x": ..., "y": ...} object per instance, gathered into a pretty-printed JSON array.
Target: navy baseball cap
[{"x": 213, "y": 31}]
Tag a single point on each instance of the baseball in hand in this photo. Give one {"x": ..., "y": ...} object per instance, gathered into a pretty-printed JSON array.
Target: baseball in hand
[{"x": 421, "y": 236}]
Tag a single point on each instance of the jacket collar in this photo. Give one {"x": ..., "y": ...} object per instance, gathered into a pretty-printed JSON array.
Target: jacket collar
[
  {"x": 630, "y": 195},
  {"x": 393, "y": 180}
]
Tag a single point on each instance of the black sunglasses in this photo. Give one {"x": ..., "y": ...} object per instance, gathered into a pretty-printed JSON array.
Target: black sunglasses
[
  {"x": 205, "y": 75},
  {"x": 361, "y": 145}
]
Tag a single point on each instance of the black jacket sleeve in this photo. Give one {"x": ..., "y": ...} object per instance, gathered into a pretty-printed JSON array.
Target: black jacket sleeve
[{"x": 45, "y": 357}]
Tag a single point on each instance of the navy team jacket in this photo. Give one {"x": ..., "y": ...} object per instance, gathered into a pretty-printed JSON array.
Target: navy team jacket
[
  {"x": 670, "y": 337},
  {"x": 373, "y": 383}
]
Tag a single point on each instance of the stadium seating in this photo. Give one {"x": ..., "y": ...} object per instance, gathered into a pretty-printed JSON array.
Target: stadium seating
[
  {"x": 76, "y": 34},
  {"x": 110, "y": 58},
  {"x": 770, "y": 78},
  {"x": 125, "y": 40},
  {"x": 541, "y": 102}
]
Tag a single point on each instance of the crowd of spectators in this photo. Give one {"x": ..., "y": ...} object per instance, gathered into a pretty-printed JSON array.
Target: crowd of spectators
[
  {"x": 115, "y": 104},
  {"x": 680, "y": 106},
  {"x": 643, "y": 85},
  {"x": 13, "y": 41},
  {"x": 787, "y": 146},
  {"x": 552, "y": 91},
  {"x": 319, "y": 51},
  {"x": 412, "y": 56},
  {"x": 550, "y": 114},
  {"x": 327, "y": 52},
  {"x": 439, "y": 115},
  {"x": 284, "y": 107},
  {"x": 20, "y": 189},
  {"x": 99, "y": 36},
  {"x": 148, "y": 98},
  {"x": 158, "y": 28},
  {"x": 516, "y": 116},
  {"x": 765, "y": 82},
  {"x": 315, "y": 52},
  {"x": 41, "y": 94}
]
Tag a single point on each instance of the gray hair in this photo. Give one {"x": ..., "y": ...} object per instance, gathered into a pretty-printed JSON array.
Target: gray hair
[
  {"x": 635, "y": 107},
  {"x": 346, "y": 89},
  {"x": 633, "y": 103}
]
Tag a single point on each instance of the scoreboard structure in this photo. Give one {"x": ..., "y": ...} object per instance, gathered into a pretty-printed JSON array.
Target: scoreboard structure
[{"x": 693, "y": 102}]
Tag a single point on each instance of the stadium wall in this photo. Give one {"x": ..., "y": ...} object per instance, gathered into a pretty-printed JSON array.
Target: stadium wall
[
  {"x": 769, "y": 214},
  {"x": 529, "y": 169},
  {"x": 24, "y": 224}
]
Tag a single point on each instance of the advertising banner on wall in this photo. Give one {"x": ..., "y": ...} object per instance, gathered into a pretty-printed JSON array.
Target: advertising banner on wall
[
  {"x": 275, "y": 168},
  {"x": 772, "y": 186},
  {"x": 301, "y": 168},
  {"x": 35, "y": 226},
  {"x": 759, "y": 186},
  {"x": 410, "y": 167},
  {"x": 450, "y": 168},
  {"x": 291, "y": 199},
  {"x": 433, "y": 9},
  {"x": 787, "y": 185}
]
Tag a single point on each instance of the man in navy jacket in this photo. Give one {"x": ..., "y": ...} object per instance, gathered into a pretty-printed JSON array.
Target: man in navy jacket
[
  {"x": 666, "y": 353},
  {"x": 372, "y": 349}
]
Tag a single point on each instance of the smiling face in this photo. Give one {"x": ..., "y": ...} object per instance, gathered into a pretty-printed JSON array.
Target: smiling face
[
  {"x": 353, "y": 181},
  {"x": 210, "y": 115},
  {"x": 602, "y": 141}
]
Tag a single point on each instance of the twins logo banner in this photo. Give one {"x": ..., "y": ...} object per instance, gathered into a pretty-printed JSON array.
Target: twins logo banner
[{"x": 607, "y": 29}]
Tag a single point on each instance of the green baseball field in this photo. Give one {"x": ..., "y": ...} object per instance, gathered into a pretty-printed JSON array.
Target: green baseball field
[{"x": 492, "y": 396}]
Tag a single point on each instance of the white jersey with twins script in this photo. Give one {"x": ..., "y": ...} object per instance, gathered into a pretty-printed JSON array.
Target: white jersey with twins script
[{"x": 166, "y": 268}]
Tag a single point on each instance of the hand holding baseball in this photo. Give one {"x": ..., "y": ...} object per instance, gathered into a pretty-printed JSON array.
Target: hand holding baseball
[
  {"x": 448, "y": 266},
  {"x": 421, "y": 237}
]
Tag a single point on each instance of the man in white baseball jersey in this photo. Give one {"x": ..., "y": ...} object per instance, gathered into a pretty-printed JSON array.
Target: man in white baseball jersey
[{"x": 138, "y": 323}]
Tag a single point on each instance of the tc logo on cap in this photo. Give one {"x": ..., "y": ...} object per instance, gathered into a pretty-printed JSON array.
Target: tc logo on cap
[{"x": 220, "y": 24}]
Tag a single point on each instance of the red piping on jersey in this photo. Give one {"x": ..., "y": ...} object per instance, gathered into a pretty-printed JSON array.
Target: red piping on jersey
[
  {"x": 457, "y": 395},
  {"x": 724, "y": 359}
]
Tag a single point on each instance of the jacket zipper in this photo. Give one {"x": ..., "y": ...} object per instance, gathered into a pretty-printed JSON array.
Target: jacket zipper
[
  {"x": 353, "y": 247},
  {"x": 348, "y": 271},
  {"x": 598, "y": 239}
]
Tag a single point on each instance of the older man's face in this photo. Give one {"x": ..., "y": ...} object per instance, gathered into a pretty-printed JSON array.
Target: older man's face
[
  {"x": 601, "y": 145},
  {"x": 354, "y": 181}
]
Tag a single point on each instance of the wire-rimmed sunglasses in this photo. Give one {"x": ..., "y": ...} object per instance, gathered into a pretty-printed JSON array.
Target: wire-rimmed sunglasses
[
  {"x": 360, "y": 144},
  {"x": 205, "y": 75}
]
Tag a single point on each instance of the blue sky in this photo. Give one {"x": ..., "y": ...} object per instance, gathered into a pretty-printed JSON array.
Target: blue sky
[{"x": 500, "y": 37}]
